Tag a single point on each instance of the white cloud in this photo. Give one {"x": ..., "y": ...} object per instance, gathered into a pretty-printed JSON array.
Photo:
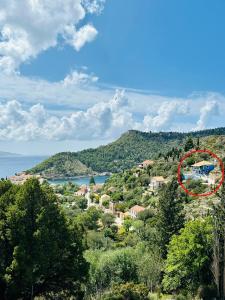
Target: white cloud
[
  {"x": 93, "y": 6},
  {"x": 79, "y": 78},
  {"x": 99, "y": 121},
  {"x": 210, "y": 109},
  {"x": 28, "y": 27},
  {"x": 78, "y": 39},
  {"x": 165, "y": 116},
  {"x": 105, "y": 120}
]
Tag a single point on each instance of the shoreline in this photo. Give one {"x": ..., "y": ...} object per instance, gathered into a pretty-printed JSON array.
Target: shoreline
[{"x": 77, "y": 177}]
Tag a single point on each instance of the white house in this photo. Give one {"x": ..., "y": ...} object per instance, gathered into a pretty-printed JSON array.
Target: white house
[
  {"x": 135, "y": 210},
  {"x": 156, "y": 182}
]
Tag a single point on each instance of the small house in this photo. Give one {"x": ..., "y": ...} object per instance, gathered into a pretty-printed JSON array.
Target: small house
[
  {"x": 112, "y": 207},
  {"x": 96, "y": 188},
  {"x": 203, "y": 167},
  {"x": 135, "y": 210},
  {"x": 156, "y": 182},
  {"x": 146, "y": 163},
  {"x": 82, "y": 191}
]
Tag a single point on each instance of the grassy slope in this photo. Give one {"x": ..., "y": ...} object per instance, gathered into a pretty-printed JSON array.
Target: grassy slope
[
  {"x": 131, "y": 148},
  {"x": 61, "y": 165}
]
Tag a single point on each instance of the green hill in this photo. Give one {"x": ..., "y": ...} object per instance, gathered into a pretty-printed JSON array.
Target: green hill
[
  {"x": 131, "y": 148},
  {"x": 61, "y": 165}
]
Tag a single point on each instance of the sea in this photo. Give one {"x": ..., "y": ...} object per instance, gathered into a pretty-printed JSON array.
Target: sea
[
  {"x": 84, "y": 180},
  {"x": 9, "y": 166}
]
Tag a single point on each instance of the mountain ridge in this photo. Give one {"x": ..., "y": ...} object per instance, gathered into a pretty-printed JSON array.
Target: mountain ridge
[
  {"x": 9, "y": 154},
  {"x": 130, "y": 148}
]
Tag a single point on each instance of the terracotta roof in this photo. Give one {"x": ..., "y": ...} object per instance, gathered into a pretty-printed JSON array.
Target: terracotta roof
[
  {"x": 148, "y": 162},
  {"x": 158, "y": 178},
  {"x": 137, "y": 208},
  {"x": 202, "y": 163}
]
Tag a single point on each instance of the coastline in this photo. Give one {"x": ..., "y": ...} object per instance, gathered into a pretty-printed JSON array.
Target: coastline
[{"x": 55, "y": 178}]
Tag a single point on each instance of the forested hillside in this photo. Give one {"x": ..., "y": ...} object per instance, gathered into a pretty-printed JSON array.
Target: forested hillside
[{"x": 131, "y": 148}]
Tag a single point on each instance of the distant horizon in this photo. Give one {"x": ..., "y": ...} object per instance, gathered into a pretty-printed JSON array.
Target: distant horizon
[
  {"x": 101, "y": 144},
  {"x": 87, "y": 78}
]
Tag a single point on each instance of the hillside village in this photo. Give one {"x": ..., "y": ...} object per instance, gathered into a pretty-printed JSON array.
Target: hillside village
[
  {"x": 130, "y": 221},
  {"x": 142, "y": 184},
  {"x": 105, "y": 202},
  {"x": 127, "y": 194}
]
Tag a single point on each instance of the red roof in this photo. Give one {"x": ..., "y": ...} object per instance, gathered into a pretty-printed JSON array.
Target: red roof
[{"x": 137, "y": 208}]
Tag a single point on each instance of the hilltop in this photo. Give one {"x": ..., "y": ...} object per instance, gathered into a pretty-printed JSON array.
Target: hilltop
[{"x": 131, "y": 148}]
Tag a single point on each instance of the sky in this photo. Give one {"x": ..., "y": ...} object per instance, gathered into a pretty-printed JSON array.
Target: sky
[{"x": 76, "y": 74}]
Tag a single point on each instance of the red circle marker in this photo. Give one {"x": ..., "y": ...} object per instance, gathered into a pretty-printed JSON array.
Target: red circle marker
[{"x": 179, "y": 173}]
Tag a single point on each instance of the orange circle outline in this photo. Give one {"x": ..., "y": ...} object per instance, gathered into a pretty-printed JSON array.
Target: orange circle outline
[{"x": 179, "y": 173}]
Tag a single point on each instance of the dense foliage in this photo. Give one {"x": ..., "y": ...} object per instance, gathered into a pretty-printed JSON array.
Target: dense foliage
[
  {"x": 58, "y": 245},
  {"x": 189, "y": 257},
  {"x": 170, "y": 218},
  {"x": 38, "y": 245},
  {"x": 63, "y": 164},
  {"x": 131, "y": 148}
]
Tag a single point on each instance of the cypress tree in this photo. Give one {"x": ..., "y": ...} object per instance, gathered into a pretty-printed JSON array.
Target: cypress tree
[
  {"x": 92, "y": 181},
  {"x": 170, "y": 216},
  {"x": 189, "y": 144},
  {"x": 218, "y": 265}
]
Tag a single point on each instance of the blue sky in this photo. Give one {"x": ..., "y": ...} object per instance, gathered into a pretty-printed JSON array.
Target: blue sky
[
  {"x": 99, "y": 68},
  {"x": 173, "y": 47}
]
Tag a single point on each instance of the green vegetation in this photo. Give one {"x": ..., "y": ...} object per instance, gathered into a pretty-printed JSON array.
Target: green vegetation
[
  {"x": 189, "y": 144},
  {"x": 170, "y": 218},
  {"x": 189, "y": 257},
  {"x": 130, "y": 149},
  {"x": 61, "y": 165},
  {"x": 92, "y": 180},
  {"x": 57, "y": 245},
  {"x": 38, "y": 245}
]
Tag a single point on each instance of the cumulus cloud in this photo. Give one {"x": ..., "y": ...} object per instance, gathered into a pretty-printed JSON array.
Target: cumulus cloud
[
  {"x": 99, "y": 121},
  {"x": 28, "y": 27},
  {"x": 79, "y": 78},
  {"x": 210, "y": 109},
  {"x": 165, "y": 116},
  {"x": 79, "y": 38},
  {"x": 104, "y": 120}
]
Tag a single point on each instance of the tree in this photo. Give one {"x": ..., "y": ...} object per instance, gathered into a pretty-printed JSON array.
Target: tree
[
  {"x": 189, "y": 144},
  {"x": 111, "y": 267},
  {"x": 43, "y": 254},
  {"x": 81, "y": 202},
  {"x": 218, "y": 265},
  {"x": 146, "y": 214},
  {"x": 97, "y": 240},
  {"x": 107, "y": 219},
  {"x": 89, "y": 219},
  {"x": 170, "y": 216},
  {"x": 126, "y": 291},
  {"x": 92, "y": 181},
  {"x": 198, "y": 143},
  {"x": 189, "y": 257},
  {"x": 150, "y": 265}
]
